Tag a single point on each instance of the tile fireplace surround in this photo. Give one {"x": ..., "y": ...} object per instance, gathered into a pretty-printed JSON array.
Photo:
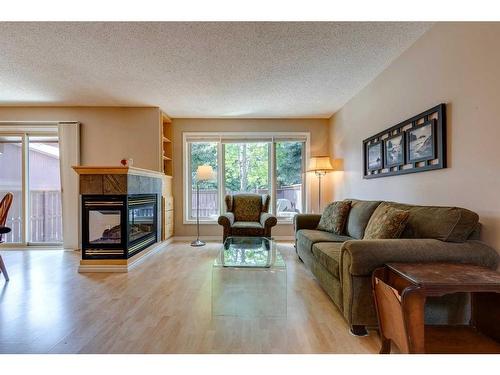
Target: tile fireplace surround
[{"x": 120, "y": 216}]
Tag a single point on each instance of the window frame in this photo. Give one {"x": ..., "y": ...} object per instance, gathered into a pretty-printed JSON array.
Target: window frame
[{"x": 272, "y": 137}]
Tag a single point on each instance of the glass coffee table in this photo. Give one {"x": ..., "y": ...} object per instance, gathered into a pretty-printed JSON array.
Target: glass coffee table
[{"x": 249, "y": 279}]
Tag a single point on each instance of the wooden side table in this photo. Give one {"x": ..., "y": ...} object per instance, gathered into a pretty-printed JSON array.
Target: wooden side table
[{"x": 401, "y": 289}]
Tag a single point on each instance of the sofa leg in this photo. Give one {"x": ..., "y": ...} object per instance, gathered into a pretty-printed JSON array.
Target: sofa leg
[{"x": 358, "y": 330}]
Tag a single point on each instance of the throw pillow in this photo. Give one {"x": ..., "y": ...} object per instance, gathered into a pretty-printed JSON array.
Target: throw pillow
[
  {"x": 334, "y": 217},
  {"x": 386, "y": 222}
]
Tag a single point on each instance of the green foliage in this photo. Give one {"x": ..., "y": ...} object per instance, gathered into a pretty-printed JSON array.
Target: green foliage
[
  {"x": 288, "y": 163},
  {"x": 203, "y": 154},
  {"x": 247, "y": 164}
]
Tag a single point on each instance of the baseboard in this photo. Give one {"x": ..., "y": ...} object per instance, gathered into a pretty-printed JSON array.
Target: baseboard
[
  {"x": 114, "y": 265},
  {"x": 219, "y": 238}
]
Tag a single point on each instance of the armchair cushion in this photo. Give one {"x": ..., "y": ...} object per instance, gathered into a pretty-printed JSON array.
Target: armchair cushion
[
  {"x": 247, "y": 224},
  {"x": 334, "y": 217},
  {"x": 362, "y": 257},
  {"x": 247, "y": 207}
]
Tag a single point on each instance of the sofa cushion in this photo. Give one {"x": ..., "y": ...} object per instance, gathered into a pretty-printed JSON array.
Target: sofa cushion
[
  {"x": 308, "y": 237},
  {"x": 358, "y": 218},
  {"x": 451, "y": 224},
  {"x": 328, "y": 255},
  {"x": 247, "y": 207},
  {"x": 334, "y": 217},
  {"x": 386, "y": 222}
]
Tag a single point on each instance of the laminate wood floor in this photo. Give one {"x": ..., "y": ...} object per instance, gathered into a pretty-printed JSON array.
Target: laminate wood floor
[{"x": 162, "y": 306}]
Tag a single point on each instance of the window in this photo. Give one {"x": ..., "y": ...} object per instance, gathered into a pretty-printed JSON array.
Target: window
[
  {"x": 30, "y": 170},
  {"x": 246, "y": 168},
  {"x": 289, "y": 179},
  {"x": 203, "y": 153},
  {"x": 262, "y": 163}
]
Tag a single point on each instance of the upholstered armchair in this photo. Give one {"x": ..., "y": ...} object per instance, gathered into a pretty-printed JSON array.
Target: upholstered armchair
[{"x": 247, "y": 215}]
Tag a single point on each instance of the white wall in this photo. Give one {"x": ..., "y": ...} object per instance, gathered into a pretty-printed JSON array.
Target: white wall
[{"x": 453, "y": 63}]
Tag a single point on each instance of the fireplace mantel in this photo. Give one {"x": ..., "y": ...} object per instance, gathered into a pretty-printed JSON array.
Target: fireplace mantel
[
  {"x": 112, "y": 180},
  {"x": 83, "y": 170}
]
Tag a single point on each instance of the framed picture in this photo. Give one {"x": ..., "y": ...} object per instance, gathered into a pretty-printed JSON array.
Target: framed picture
[
  {"x": 421, "y": 141},
  {"x": 394, "y": 149},
  {"x": 407, "y": 147},
  {"x": 374, "y": 156}
]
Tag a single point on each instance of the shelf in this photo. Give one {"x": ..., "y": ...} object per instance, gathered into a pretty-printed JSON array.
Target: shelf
[
  {"x": 165, "y": 119},
  {"x": 167, "y": 158}
]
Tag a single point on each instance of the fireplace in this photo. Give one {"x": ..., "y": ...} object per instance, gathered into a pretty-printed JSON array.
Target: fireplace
[{"x": 118, "y": 226}]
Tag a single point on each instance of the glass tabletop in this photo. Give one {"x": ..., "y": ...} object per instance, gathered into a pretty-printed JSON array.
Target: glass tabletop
[{"x": 249, "y": 252}]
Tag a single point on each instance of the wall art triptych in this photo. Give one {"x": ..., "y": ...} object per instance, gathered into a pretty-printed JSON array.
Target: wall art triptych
[{"x": 414, "y": 145}]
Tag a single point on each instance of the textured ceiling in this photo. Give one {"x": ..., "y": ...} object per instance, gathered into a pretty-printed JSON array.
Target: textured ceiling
[{"x": 216, "y": 69}]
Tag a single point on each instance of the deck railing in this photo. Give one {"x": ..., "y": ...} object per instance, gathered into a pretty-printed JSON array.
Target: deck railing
[{"x": 45, "y": 219}]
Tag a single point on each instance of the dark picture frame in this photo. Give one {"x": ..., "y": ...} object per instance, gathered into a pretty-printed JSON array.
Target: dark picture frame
[
  {"x": 391, "y": 147},
  {"x": 430, "y": 158},
  {"x": 374, "y": 150},
  {"x": 421, "y": 142}
]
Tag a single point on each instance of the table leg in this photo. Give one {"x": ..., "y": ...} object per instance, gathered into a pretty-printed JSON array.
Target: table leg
[{"x": 413, "y": 304}]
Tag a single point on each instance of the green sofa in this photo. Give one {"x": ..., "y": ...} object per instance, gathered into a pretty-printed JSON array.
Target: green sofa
[{"x": 343, "y": 264}]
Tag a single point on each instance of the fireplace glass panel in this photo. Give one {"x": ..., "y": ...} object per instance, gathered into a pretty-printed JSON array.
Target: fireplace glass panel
[
  {"x": 141, "y": 222},
  {"x": 104, "y": 226}
]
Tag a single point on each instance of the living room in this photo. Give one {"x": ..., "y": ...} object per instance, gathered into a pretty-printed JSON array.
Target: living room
[{"x": 250, "y": 187}]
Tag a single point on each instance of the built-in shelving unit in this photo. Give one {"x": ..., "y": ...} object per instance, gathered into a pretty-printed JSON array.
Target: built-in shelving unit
[
  {"x": 167, "y": 149},
  {"x": 167, "y": 167}
]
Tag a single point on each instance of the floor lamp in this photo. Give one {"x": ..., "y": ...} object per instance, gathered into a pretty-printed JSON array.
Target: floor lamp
[
  {"x": 203, "y": 173},
  {"x": 320, "y": 165}
]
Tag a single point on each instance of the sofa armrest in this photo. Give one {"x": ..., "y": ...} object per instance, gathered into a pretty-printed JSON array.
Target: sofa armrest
[
  {"x": 364, "y": 256},
  {"x": 226, "y": 219},
  {"x": 268, "y": 220},
  {"x": 306, "y": 221}
]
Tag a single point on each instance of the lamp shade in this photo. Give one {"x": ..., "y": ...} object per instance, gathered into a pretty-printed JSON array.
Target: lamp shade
[
  {"x": 205, "y": 173},
  {"x": 320, "y": 163}
]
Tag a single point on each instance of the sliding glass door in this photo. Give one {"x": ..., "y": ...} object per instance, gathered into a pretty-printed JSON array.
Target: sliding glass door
[
  {"x": 45, "y": 211},
  {"x": 11, "y": 180},
  {"x": 29, "y": 168}
]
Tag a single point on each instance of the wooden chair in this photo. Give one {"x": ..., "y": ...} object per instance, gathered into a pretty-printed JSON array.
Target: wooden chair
[{"x": 4, "y": 210}]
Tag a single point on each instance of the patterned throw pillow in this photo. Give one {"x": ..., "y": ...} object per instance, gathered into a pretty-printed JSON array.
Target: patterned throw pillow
[
  {"x": 334, "y": 217},
  {"x": 386, "y": 222}
]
